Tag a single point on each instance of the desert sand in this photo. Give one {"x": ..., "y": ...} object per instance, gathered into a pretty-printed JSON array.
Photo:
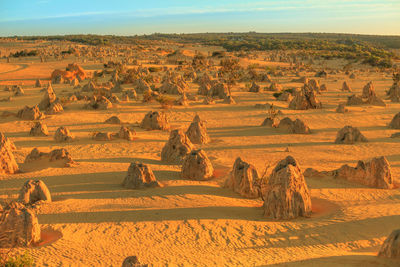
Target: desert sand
[{"x": 94, "y": 221}]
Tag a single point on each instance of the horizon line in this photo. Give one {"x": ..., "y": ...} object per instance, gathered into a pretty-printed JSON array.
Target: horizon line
[{"x": 188, "y": 33}]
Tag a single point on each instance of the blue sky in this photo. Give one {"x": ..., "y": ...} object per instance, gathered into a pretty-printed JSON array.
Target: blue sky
[{"x": 130, "y": 17}]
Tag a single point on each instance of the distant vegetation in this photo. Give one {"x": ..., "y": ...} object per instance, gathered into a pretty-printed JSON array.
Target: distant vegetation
[
  {"x": 24, "y": 53},
  {"x": 370, "y": 49}
]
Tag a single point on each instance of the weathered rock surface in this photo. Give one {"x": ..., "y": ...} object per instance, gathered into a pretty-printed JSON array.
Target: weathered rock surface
[
  {"x": 197, "y": 131},
  {"x": 395, "y": 123},
  {"x": 139, "y": 176},
  {"x": 33, "y": 191},
  {"x": 244, "y": 179},
  {"x": 39, "y": 129},
  {"x": 19, "y": 226},
  {"x": 391, "y": 246},
  {"x": 197, "y": 166},
  {"x": 349, "y": 135},
  {"x": 177, "y": 147},
  {"x": 287, "y": 195},
  {"x": 63, "y": 134},
  {"x": 155, "y": 120}
]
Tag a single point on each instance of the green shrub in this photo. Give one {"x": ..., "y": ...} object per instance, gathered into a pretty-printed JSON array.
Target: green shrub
[{"x": 22, "y": 260}]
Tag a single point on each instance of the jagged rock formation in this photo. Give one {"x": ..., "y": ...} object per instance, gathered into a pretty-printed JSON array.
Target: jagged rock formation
[
  {"x": 32, "y": 113},
  {"x": 172, "y": 89},
  {"x": 349, "y": 135},
  {"x": 8, "y": 165},
  {"x": 126, "y": 133},
  {"x": 219, "y": 90},
  {"x": 132, "y": 261},
  {"x": 368, "y": 90},
  {"x": 395, "y": 123},
  {"x": 197, "y": 166},
  {"x": 7, "y": 142},
  {"x": 346, "y": 87},
  {"x": 63, "y": 134},
  {"x": 155, "y": 120},
  {"x": 255, "y": 88},
  {"x": 270, "y": 122},
  {"x": 99, "y": 136},
  {"x": 229, "y": 100},
  {"x": 391, "y": 246},
  {"x": 274, "y": 87},
  {"x": 354, "y": 100},
  {"x": 39, "y": 129},
  {"x": 19, "y": 226},
  {"x": 341, "y": 108},
  {"x": 177, "y": 147},
  {"x": 244, "y": 179},
  {"x": 375, "y": 173},
  {"x": 113, "y": 120},
  {"x": 38, "y": 83},
  {"x": 139, "y": 176},
  {"x": 61, "y": 155},
  {"x": 50, "y": 103},
  {"x": 294, "y": 126},
  {"x": 287, "y": 195},
  {"x": 99, "y": 102},
  {"x": 394, "y": 92},
  {"x": 33, "y": 191},
  {"x": 305, "y": 99},
  {"x": 197, "y": 131}
]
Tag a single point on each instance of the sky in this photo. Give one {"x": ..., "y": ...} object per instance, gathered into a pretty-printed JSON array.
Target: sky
[{"x": 131, "y": 17}]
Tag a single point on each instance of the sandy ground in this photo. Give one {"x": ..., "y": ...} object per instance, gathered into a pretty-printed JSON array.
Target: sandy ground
[{"x": 93, "y": 221}]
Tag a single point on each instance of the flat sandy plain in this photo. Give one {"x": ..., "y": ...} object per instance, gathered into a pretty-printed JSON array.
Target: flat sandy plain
[{"x": 94, "y": 221}]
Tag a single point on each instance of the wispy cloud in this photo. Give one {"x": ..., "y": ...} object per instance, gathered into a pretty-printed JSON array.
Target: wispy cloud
[{"x": 336, "y": 6}]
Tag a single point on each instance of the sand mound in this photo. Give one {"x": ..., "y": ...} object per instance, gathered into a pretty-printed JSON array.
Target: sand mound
[
  {"x": 287, "y": 195},
  {"x": 177, "y": 147},
  {"x": 349, "y": 135},
  {"x": 244, "y": 179},
  {"x": 18, "y": 226},
  {"x": 139, "y": 176},
  {"x": 197, "y": 166},
  {"x": 33, "y": 191}
]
